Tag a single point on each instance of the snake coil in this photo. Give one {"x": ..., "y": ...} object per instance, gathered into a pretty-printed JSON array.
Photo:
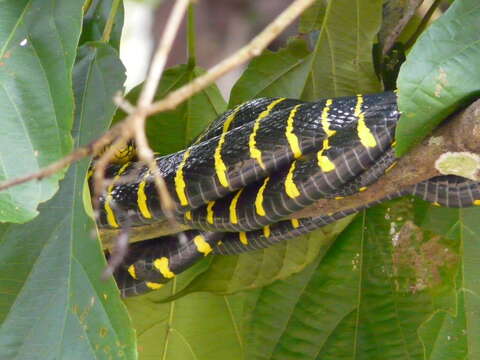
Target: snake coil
[{"x": 251, "y": 168}]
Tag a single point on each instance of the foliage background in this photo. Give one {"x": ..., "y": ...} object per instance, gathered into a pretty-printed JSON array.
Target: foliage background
[{"x": 397, "y": 282}]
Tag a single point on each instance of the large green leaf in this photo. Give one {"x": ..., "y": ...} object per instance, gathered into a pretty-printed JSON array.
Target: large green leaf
[
  {"x": 312, "y": 18},
  {"x": 173, "y": 130},
  {"x": 469, "y": 282},
  {"x": 185, "y": 329},
  {"x": 342, "y": 57},
  {"x": 440, "y": 72},
  {"x": 366, "y": 299},
  {"x": 340, "y": 63},
  {"x": 53, "y": 304},
  {"x": 273, "y": 73},
  {"x": 38, "y": 40},
  {"x": 453, "y": 335},
  {"x": 445, "y": 335}
]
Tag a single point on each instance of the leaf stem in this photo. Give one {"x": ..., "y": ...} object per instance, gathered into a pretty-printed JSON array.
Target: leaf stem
[
  {"x": 191, "y": 39},
  {"x": 110, "y": 21},
  {"x": 86, "y": 6}
]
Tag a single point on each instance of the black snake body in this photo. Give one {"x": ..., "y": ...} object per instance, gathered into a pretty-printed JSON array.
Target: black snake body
[{"x": 251, "y": 168}]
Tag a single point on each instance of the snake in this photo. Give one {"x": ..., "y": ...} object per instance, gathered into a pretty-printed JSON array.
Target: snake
[{"x": 253, "y": 167}]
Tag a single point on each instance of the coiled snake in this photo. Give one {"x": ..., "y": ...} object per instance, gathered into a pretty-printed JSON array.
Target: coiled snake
[{"x": 253, "y": 167}]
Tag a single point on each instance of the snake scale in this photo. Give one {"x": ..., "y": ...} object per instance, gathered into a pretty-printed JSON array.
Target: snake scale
[{"x": 255, "y": 165}]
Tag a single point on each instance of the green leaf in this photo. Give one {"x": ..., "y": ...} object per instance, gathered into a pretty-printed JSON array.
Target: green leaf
[
  {"x": 440, "y": 220},
  {"x": 440, "y": 73},
  {"x": 470, "y": 283},
  {"x": 312, "y": 18},
  {"x": 197, "y": 327},
  {"x": 340, "y": 63},
  {"x": 53, "y": 304},
  {"x": 445, "y": 335},
  {"x": 38, "y": 40},
  {"x": 173, "y": 130},
  {"x": 272, "y": 73},
  {"x": 95, "y": 19},
  {"x": 342, "y": 58},
  {"x": 452, "y": 335},
  {"x": 365, "y": 299}
]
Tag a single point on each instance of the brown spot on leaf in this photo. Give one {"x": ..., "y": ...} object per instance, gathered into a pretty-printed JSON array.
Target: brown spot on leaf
[
  {"x": 419, "y": 258},
  {"x": 441, "y": 82}
]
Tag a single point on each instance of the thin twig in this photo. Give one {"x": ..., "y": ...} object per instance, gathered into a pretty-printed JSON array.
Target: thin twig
[
  {"x": 161, "y": 55},
  {"x": 251, "y": 50},
  {"x": 397, "y": 30},
  {"x": 86, "y": 6},
  {"x": 254, "y": 48},
  {"x": 423, "y": 24},
  {"x": 147, "y": 95},
  {"x": 118, "y": 253},
  {"x": 81, "y": 152},
  {"x": 123, "y": 103},
  {"x": 110, "y": 21},
  {"x": 191, "y": 38}
]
